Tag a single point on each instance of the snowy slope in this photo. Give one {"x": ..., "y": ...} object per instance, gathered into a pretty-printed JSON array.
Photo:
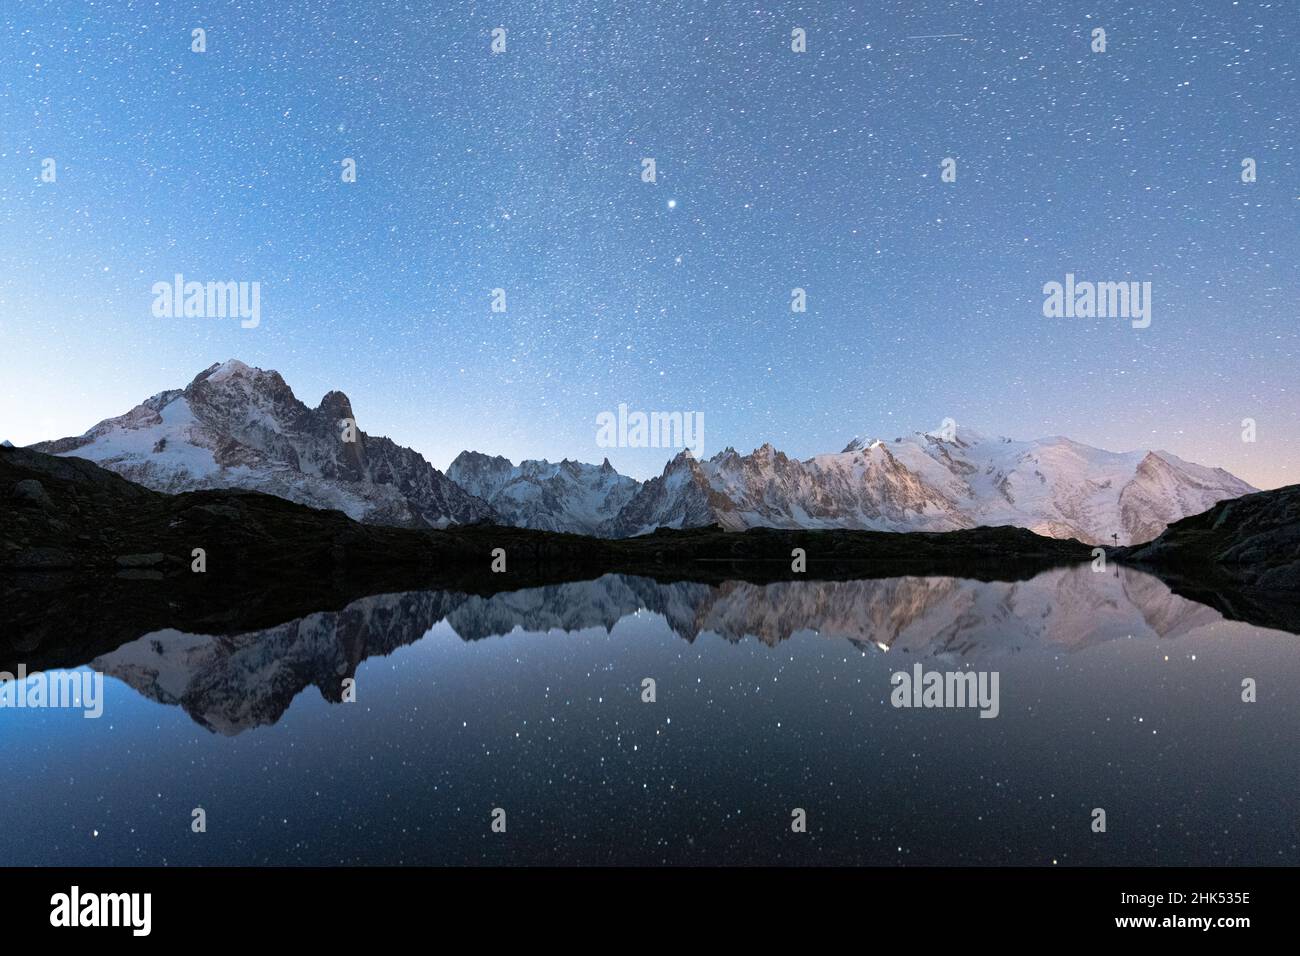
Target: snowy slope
[
  {"x": 566, "y": 496},
  {"x": 1053, "y": 486},
  {"x": 241, "y": 427}
]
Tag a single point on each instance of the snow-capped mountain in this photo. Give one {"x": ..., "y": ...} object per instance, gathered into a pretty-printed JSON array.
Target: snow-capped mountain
[
  {"x": 1053, "y": 486},
  {"x": 241, "y": 427},
  {"x": 682, "y": 497},
  {"x": 567, "y": 496}
]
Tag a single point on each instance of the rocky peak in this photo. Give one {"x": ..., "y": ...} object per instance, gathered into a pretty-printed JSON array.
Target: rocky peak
[
  {"x": 336, "y": 405},
  {"x": 683, "y": 459},
  {"x": 766, "y": 454},
  {"x": 239, "y": 426}
]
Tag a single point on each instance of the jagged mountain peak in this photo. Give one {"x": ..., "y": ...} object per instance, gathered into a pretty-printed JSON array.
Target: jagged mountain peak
[
  {"x": 857, "y": 443},
  {"x": 478, "y": 456},
  {"x": 337, "y": 404},
  {"x": 566, "y": 496},
  {"x": 946, "y": 481},
  {"x": 233, "y": 368},
  {"x": 240, "y": 426},
  {"x": 236, "y": 426}
]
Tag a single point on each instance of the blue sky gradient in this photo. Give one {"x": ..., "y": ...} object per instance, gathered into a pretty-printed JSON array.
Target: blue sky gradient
[{"x": 521, "y": 170}]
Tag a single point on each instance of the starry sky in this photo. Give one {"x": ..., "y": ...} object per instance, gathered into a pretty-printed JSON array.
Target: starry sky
[{"x": 775, "y": 170}]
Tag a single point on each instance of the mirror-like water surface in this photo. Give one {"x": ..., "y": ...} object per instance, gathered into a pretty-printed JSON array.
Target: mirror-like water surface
[{"x": 1114, "y": 694}]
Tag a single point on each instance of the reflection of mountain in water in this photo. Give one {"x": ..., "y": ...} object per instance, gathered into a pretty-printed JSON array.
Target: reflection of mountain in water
[{"x": 230, "y": 684}]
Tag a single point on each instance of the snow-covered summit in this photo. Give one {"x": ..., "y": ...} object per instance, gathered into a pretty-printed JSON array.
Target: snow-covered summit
[
  {"x": 239, "y": 426},
  {"x": 236, "y": 426},
  {"x": 566, "y": 496},
  {"x": 936, "y": 482}
]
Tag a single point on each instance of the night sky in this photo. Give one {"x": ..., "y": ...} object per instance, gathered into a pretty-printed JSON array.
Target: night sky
[{"x": 776, "y": 170}]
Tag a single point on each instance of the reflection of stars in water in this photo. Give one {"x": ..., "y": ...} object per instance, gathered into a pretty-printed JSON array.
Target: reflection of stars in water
[{"x": 562, "y": 738}]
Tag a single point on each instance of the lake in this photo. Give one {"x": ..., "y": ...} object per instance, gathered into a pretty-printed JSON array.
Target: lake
[{"x": 1115, "y": 694}]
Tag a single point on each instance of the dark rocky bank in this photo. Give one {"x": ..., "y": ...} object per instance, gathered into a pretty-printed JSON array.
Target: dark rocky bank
[{"x": 1242, "y": 557}]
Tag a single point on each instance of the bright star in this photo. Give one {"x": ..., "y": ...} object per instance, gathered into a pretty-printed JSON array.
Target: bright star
[{"x": 672, "y": 204}]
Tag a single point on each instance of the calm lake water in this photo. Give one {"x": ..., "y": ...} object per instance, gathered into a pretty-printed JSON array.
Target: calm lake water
[{"x": 1113, "y": 694}]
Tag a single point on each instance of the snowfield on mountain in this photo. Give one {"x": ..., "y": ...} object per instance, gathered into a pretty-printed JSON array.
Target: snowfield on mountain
[
  {"x": 1053, "y": 486},
  {"x": 240, "y": 427},
  {"x": 567, "y": 496}
]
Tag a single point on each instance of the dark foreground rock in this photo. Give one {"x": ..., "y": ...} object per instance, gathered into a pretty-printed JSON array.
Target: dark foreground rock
[{"x": 1242, "y": 557}]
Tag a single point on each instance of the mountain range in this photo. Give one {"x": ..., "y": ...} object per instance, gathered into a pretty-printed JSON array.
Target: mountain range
[
  {"x": 569, "y": 496},
  {"x": 233, "y": 682},
  {"x": 235, "y": 426}
]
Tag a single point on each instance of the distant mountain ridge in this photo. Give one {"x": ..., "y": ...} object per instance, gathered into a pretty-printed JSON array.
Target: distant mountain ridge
[
  {"x": 567, "y": 496},
  {"x": 235, "y": 426},
  {"x": 924, "y": 482}
]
